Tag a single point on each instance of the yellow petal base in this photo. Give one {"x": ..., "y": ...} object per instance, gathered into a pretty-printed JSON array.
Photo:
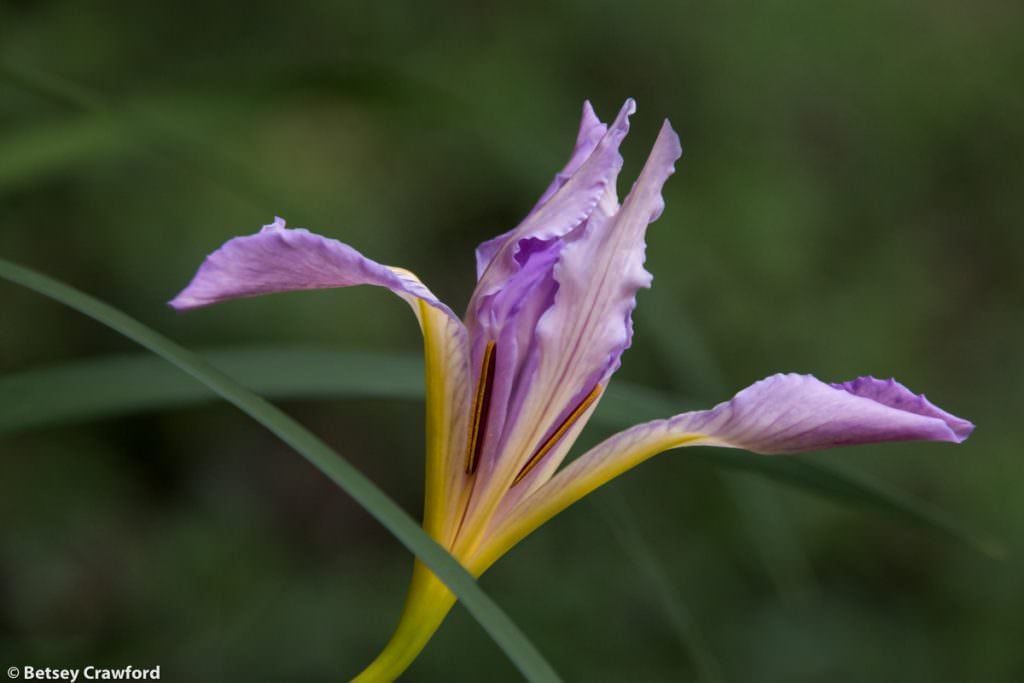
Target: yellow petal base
[{"x": 426, "y": 607}]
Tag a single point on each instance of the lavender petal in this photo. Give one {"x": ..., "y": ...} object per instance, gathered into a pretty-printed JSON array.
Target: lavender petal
[
  {"x": 785, "y": 413},
  {"x": 791, "y": 413},
  {"x": 279, "y": 259},
  {"x": 590, "y": 133}
]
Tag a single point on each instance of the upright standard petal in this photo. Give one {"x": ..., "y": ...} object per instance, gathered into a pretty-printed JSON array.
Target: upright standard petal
[
  {"x": 581, "y": 338},
  {"x": 786, "y": 413},
  {"x": 576, "y": 342},
  {"x": 590, "y": 133},
  {"x": 518, "y": 285},
  {"x": 279, "y": 259},
  {"x": 566, "y": 208}
]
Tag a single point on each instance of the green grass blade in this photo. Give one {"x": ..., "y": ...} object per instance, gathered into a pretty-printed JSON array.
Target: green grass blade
[
  {"x": 130, "y": 383},
  {"x": 652, "y": 574},
  {"x": 509, "y": 638},
  {"x": 831, "y": 481},
  {"x": 172, "y": 128},
  {"x": 123, "y": 384},
  {"x": 32, "y": 152}
]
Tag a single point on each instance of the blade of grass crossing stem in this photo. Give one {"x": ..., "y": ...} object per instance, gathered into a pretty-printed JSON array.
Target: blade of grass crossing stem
[{"x": 509, "y": 638}]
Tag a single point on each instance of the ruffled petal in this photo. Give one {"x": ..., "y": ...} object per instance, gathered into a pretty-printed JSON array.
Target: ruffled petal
[
  {"x": 512, "y": 315},
  {"x": 582, "y": 336},
  {"x": 566, "y": 209},
  {"x": 781, "y": 414},
  {"x": 890, "y": 393},
  {"x": 590, "y": 133},
  {"x": 519, "y": 286},
  {"x": 575, "y": 344},
  {"x": 279, "y": 259}
]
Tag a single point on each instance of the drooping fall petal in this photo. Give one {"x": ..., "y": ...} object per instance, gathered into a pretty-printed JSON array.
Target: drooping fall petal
[
  {"x": 785, "y": 413},
  {"x": 279, "y": 259}
]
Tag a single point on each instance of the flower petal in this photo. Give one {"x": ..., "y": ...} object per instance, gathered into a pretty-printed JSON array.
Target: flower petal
[
  {"x": 581, "y": 338},
  {"x": 511, "y": 322},
  {"x": 590, "y": 134},
  {"x": 781, "y": 414},
  {"x": 278, "y": 259},
  {"x": 577, "y": 341},
  {"x": 518, "y": 285},
  {"x": 891, "y": 393},
  {"x": 565, "y": 209}
]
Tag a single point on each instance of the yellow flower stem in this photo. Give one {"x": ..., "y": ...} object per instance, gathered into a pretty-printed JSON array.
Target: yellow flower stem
[{"x": 428, "y": 604}]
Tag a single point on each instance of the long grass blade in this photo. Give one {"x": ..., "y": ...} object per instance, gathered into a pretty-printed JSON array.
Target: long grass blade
[
  {"x": 626, "y": 531},
  {"x": 831, "y": 481},
  {"x": 122, "y": 384}
]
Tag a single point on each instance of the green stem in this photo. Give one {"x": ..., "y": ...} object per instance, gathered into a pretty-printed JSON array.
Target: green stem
[{"x": 428, "y": 604}]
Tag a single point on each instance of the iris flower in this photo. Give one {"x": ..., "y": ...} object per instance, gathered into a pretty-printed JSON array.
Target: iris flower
[{"x": 510, "y": 385}]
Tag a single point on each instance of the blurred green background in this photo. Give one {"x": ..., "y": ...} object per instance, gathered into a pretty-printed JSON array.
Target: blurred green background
[{"x": 849, "y": 203}]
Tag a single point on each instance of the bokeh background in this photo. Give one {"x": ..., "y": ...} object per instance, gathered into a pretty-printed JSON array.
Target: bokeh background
[{"x": 849, "y": 203}]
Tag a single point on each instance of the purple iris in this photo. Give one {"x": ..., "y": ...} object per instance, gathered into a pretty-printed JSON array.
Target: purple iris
[{"x": 510, "y": 386}]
